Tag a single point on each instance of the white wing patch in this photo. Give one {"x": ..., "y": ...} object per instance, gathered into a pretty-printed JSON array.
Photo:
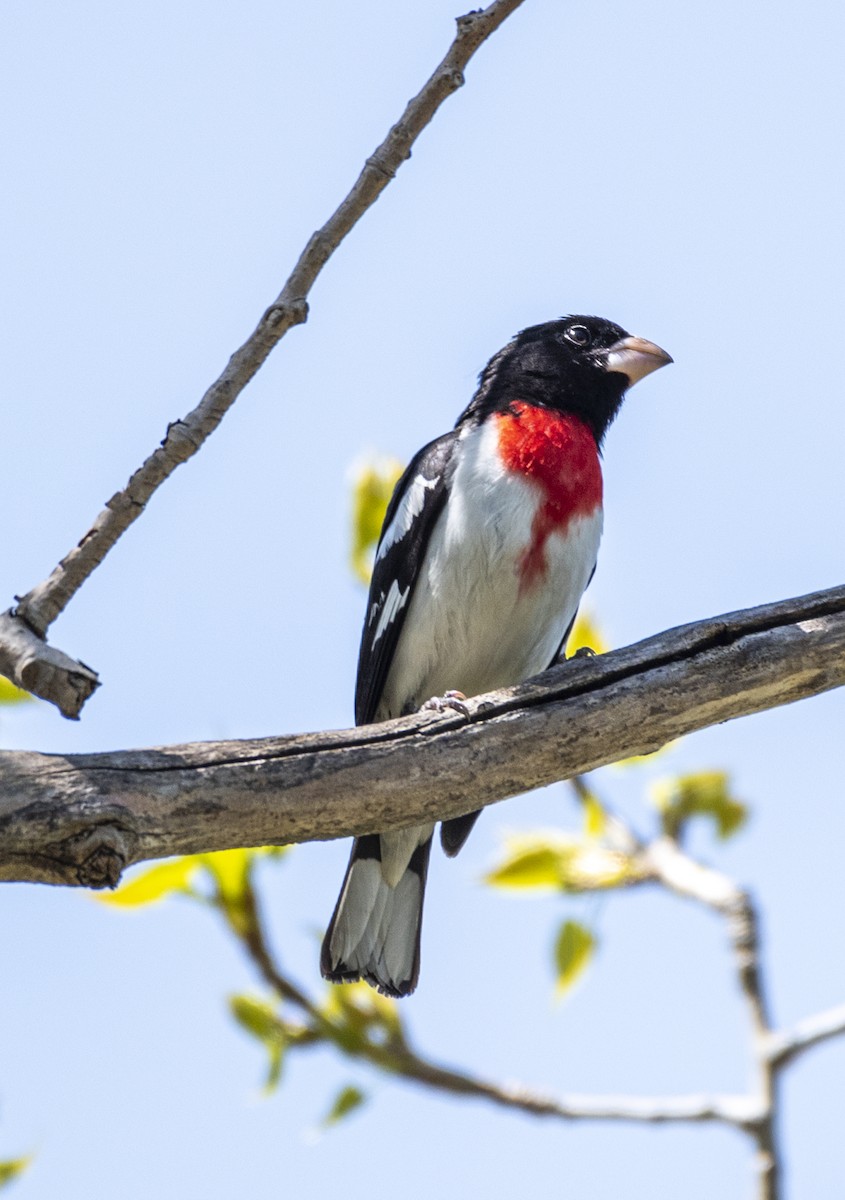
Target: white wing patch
[
  {"x": 409, "y": 509},
  {"x": 394, "y": 602}
]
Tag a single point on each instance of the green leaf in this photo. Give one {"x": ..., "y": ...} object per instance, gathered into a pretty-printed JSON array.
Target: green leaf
[
  {"x": 565, "y": 864},
  {"x": 529, "y": 866},
  {"x": 371, "y": 491},
  {"x": 256, "y": 1016},
  {"x": 346, "y": 1101},
  {"x": 9, "y": 694},
  {"x": 231, "y": 877},
  {"x": 574, "y": 947},
  {"x": 261, "y": 1020},
  {"x": 12, "y": 1168},
  {"x": 230, "y": 871},
  {"x": 702, "y": 794},
  {"x": 595, "y": 818},
  {"x": 154, "y": 883}
]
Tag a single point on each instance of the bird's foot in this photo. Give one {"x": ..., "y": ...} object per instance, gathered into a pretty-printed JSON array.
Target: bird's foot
[
  {"x": 450, "y": 700},
  {"x": 585, "y": 652}
]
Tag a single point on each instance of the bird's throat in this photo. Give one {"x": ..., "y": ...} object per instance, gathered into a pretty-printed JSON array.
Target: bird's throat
[{"x": 557, "y": 454}]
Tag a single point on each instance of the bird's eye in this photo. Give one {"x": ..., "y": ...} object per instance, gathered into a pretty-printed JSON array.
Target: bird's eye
[{"x": 579, "y": 334}]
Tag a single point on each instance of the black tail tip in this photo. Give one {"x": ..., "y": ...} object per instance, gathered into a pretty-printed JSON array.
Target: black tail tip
[{"x": 340, "y": 973}]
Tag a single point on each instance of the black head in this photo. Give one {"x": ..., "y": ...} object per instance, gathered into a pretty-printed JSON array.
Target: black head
[{"x": 582, "y": 365}]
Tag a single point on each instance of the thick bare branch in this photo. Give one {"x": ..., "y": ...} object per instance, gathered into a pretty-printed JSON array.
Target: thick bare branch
[
  {"x": 82, "y": 818},
  {"x": 55, "y": 677}
]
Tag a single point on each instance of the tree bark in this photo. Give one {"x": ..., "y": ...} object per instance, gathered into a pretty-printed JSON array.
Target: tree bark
[{"x": 80, "y": 819}]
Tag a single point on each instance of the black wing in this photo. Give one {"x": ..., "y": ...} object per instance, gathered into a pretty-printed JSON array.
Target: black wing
[{"x": 411, "y": 516}]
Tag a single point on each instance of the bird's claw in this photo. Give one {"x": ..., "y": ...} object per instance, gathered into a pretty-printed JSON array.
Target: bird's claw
[
  {"x": 585, "y": 652},
  {"x": 450, "y": 700}
]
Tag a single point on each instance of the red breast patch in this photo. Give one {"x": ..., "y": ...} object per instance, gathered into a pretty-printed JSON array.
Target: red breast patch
[{"x": 558, "y": 454}]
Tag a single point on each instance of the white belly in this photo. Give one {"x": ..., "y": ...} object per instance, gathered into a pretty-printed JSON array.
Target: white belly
[{"x": 473, "y": 625}]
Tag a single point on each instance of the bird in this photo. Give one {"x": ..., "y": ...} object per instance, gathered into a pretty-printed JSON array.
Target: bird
[{"x": 488, "y": 544}]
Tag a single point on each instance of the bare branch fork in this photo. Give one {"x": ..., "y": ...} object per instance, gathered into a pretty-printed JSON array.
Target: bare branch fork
[
  {"x": 80, "y": 819},
  {"x": 25, "y": 657},
  {"x": 663, "y": 862}
]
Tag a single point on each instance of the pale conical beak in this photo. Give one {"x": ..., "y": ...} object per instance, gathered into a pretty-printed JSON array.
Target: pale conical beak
[{"x": 635, "y": 357}]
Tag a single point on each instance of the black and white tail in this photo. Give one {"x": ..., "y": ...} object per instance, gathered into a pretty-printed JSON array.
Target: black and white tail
[{"x": 374, "y": 933}]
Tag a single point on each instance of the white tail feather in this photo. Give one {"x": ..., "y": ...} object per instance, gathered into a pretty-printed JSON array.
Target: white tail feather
[{"x": 375, "y": 930}]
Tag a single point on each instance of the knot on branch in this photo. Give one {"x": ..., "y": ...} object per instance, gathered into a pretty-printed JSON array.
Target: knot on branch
[
  {"x": 286, "y": 313},
  {"x": 469, "y": 20},
  {"x": 101, "y": 869},
  {"x": 120, "y": 503},
  {"x": 454, "y": 78},
  {"x": 376, "y": 163},
  {"x": 96, "y": 858},
  {"x": 180, "y": 441}
]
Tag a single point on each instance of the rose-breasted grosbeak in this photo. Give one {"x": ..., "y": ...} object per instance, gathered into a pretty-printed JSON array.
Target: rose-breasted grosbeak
[{"x": 488, "y": 544}]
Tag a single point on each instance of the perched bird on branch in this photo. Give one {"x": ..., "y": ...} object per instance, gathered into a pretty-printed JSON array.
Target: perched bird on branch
[{"x": 488, "y": 544}]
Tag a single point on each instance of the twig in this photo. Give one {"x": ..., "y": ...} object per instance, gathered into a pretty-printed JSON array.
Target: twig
[
  {"x": 618, "y": 835},
  {"x": 684, "y": 876},
  {"x": 80, "y": 819},
  {"x": 661, "y": 861},
  {"x": 788, "y": 1045},
  {"x": 37, "y": 610},
  {"x": 397, "y": 1057},
  {"x": 730, "y": 1110},
  {"x": 665, "y": 862}
]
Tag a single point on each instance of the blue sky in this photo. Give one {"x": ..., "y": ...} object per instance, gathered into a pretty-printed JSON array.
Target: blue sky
[{"x": 674, "y": 168}]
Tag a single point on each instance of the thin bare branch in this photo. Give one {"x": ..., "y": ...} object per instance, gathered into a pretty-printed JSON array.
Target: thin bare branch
[
  {"x": 686, "y": 877},
  {"x": 771, "y": 1051},
  {"x": 738, "y": 1111},
  {"x": 787, "y": 1045},
  {"x": 55, "y": 677},
  {"x": 380, "y": 1038},
  {"x": 397, "y": 1057},
  {"x": 80, "y": 819}
]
